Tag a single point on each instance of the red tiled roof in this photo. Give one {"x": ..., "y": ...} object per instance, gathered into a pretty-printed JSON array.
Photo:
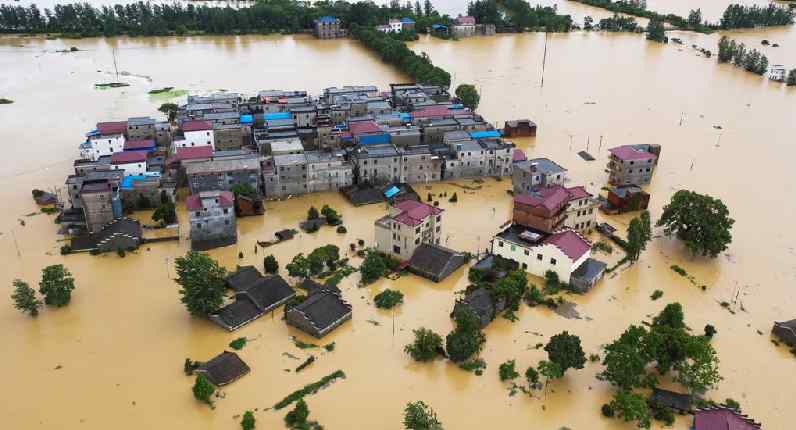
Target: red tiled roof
[
  {"x": 414, "y": 212},
  {"x": 518, "y": 155},
  {"x": 125, "y": 157},
  {"x": 139, "y": 144},
  {"x": 578, "y": 192},
  {"x": 361, "y": 127},
  {"x": 570, "y": 243},
  {"x": 551, "y": 198},
  {"x": 723, "y": 419},
  {"x": 432, "y": 111},
  {"x": 225, "y": 199},
  {"x": 194, "y": 152},
  {"x": 112, "y": 127},
  {"x": 627, "y": 152},
  {"x": 465, "y": 20},
  {"x": 197, "y": 125}
]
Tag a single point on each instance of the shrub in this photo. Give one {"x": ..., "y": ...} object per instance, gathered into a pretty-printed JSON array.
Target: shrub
[
  {"x": 66, "y": 249},
  {"x": 248, "y": 421},
  {"x": 657, "y": 294},
  {"x": 203, "y": 389},
  {"x": 607, "y": 410},
  {"x": 732, "y": 404},
  {"x": 532, "y": 376},
  {"x": 426, "y": 347},
  {"x": 420, "y": 416},
  {"x": 24, "y": 298},
  {"x": 454, "y": 198},
  {"x": 56, "y": 285},
  {"x": 507, "y": 372},
  {"x": 238, "y": 343},
  {"x": 312, "y": 214},
  {"x": 710, "y": 331},
  {"x": 342, "y": 230},
  {"x": 120, "y": 252},
  {"x": 387, "y": 299},
  {"x": 270, "y": 265}
]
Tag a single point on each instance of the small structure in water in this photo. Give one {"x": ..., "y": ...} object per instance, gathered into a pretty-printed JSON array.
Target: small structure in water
[
  {"x": 786, "y": 331},
  {"x": 482, "y": 303},
  {"x": 255, "y": 295},
  {"x": 320, "y": 313},
  {"x": 435, "y": 262},
  {"x": 224, "y": 369},
  {"x": 212, "y": 216},
  {"x": 519, "y": 128},
  {"x": 625, "y": 198},
  {"x": 120, "y": 234},
  {"x": 777, "y": 73},
  {"x": 672, "y": 400}
]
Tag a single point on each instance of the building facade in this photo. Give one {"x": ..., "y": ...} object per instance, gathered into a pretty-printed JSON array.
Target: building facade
[
  {"x": 141, "y": 128},
  {"x": 329, "y": 27},
  {"x": 98, "y": 199},
  {"x": 537, "y": 252},
  {"x": 409, "y": 224},
  {"x": 550, "y": 209},
  {"x": 212, "y": 219},
  {"x": 222, "y": 173},
  {"x": 196, "y": 133},
  {"x": 633, "y": 164},
  {"x": 285, "y": 175},
  {"x": 328, "y": 171},
  {"x": 538, "y": 172},
  {"x": 132, "y": 162}
]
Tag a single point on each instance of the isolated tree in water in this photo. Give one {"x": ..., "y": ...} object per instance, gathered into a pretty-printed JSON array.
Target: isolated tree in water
[
  {"x": 202, "y": 283},
  {"x": 56, "y": 285},
  {"x": 420, "y": 416},
  {"x": 203, "y": 389},
  {"x": 564, "y": 350},
  {"x": 270, "y": 265},
  {"x": 655, "y": 31},
  {"x": 248, "y": 421},
  {"x": 702, "y": 222},
  {"x": 468, "y": 95},
  {"x": 25, "y": 299}
]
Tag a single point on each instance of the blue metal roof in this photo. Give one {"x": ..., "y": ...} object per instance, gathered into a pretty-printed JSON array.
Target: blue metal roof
[
  {"x": 484, "y": 134},
  {"x": 439, "y": 26},
  {"x": 277, "y": 115},
  {"x": 373, "y": 139},
  {"x": 391, "y": 192},
  {"x": 407, "y": 20},
  {"x": 406, "y": 117},
  {"x": 127, "y": 181},
  {"x": 327, "y": 19},
  {"x": 246, "y": 119},
  {"x": 456, "y": 106}
]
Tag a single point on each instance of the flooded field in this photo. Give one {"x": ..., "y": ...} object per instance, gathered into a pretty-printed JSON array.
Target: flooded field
[{"x": 115, "y": 354}]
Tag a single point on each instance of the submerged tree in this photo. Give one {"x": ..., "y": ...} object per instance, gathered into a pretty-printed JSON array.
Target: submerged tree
[
  {"x": 165, "y": 214},
  {"x": 270, "y": 265},
  {"x": 420, "y": 416},
  {"x": 56, "y": 285},
  {"x": 700, "y": 221},
  {"x": 248, "y": 422},
  {"x": 25, "y": 299},
  {"x": 565, "y": 351},
  {"x": 426, "y": 346},
  {"x": 656, "y": 31},
  {"x": 203, "y": 389},
  {"x": 202, "y": 283},
  {"x": 631, "y": 407}
]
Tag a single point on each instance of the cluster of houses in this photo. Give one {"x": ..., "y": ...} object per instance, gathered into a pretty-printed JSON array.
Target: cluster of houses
[{"x": 329, "y": 27}]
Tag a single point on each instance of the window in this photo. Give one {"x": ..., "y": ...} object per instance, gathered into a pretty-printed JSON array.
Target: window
[
  {"x": 226, "y": 222},
  {"x": 226, "y": 211},
  {"x": 539, "y": 257},
  {"x": 199, "y": 225},
  {"x": 553, "y": 261},
  {"x": 417, "y": 230},
  {"x": 524, "y": 266},
  {"x": 500, "y": 244},
  {"x": 591, "y": 210},
  {"x": 527, "y": 252},
  {"x": 198, "y": 213},
  {"x": 513, "y": 248},
  {"x": 417, "y": 241}
]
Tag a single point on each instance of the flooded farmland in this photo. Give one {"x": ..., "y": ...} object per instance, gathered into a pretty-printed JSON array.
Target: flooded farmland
[{"x": 115, "y": 354}]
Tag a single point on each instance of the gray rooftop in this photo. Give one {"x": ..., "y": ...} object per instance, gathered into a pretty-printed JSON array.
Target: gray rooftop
[
  {"x": 544, "y": 166},
  {"x": 376, "y": 151},
  {"x": 140, "y": 120},
  {"x": 221, "y": 115},
  {"x": 322, "y": 157},
  {"x": 217, "y": 165},
  {"x": 289, "y": 159}
]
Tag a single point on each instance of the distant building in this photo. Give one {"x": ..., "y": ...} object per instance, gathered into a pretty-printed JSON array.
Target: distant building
[
  {"x": 408, "y": 225},
  {"x": 633, "y": 164},
  {"x": 463, "y": 26},
  {"x": 222, "y": 173},
  {"x": 228, "y": 137},
  {"x": 625, "y": 198},
  {"x": 377, "y": 164},
  {"x": 132, "y": 162},
  {"x": 141, "y": 128},
  {"x": 223, "y": 369},
  {"x": 537, "y": 252},
  {"x": 555, "y": 207},
  {"x": 285, "y": 146},
  {"x": 538, "y": 172},
  {"x": 320, "y": 313},
  {"x": 435, "y": 262},
  {"x": 482, "y": 303},
  {"x": 329, "y": 27},
  {"x": 328, "y": 171},
  {"x": 519, "y": 128},
  {"x": 212, "y": 219},
  {"x": 777, "y": 72},
  {"x": 285, "y": 175},
  {"x": 407, "y": 24},
  {"x": 255, "y": 295},
  {"x": 672, "y": 400},
  {"x": 419, "y": 165}
]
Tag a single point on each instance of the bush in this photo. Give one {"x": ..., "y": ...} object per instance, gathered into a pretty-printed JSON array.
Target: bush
[
  {"x": 710, "y": 331},
  {"x": 657, "y": 294},
  {"x": 203, "y": 389},
  {"x": 270, "y": 265},
  {"x": 66, "y": 249},
  {"x": 56, "y": 285},
  {"x": 607, "y": 410},
  {"x": 387, "y": 299},
  {"x": 24, "y": 298},
  {"x": 238, "y": 343},
  {"x": 426, "y": 347},
  {"x": 342, "y": 230},
  {"x": 454, "y": 198},
  {"x": 312, "y": 214},
  {"x": 532, "y": 376},
  {"x": 248, "y": 421},
  {"x": 420, "y": 416},
  {"x": 120, "y": 252},
  {"x": 732, "y": 404},
  {"x": 507, "y": 372}
]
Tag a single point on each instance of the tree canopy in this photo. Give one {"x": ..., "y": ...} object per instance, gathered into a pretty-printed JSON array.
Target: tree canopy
[
  {"x": 426, "y": 346},
  {"x": 565, "y": 351},
  {"x": 420, "y": 416},
  {"x": 700, "y": 221},
  {"x": 56, "y": 285},
  {"x": 25, "y": 299},
  {"x": 201, "y": 282},
  {"x": 468, "y": 95}
]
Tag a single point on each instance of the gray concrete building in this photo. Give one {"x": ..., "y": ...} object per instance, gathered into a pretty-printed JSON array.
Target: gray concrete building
[
  {"x": 212, "y": 218},
  {"x": 228, "y": 136},
  {"x": 97, "y": 200},
  {"x": 329, "y": 27},
  {"x": 304, "y": 115},
  {"x": 633, "y": 164},
  {"x": 468, "y": 160},
  {"x": 538, "y": 172},
  {"x": 74, "y": 183},
  {"x": 498, "y": 157},
  {"x": 221, "y": 173},
  {"x": 403, "y": 136},
  {"x": 434, "y": 130},
  {"x": 419, "y": 165},
  {"x": 285, "y": 175},
  {"x": 377, "y": 164},
  {"x": 328, "y": 171},
  {"x": 141, "y": 128},
  {"x": 284, "y": 146}
]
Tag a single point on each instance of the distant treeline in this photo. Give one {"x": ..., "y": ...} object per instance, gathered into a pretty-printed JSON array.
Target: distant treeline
[
  {"x": 395, "y": 52},
  {"x": 264, "y": 16},
  {"x": 615, "y": 23},
  {"x": 737, "y": 54},
  {"x": 735, "y": 16},
  {"x": 518, "y": 15}
]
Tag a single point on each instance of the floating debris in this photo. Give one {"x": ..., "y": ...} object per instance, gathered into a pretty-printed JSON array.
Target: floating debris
[
  {"x": 586, "y": 156},
  {"x": 161, "y": 90}
]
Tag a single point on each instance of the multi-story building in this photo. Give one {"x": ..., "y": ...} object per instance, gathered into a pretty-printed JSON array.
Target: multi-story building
[
  {"x": 377, "y": 164},
  {"x": 329, "y": 27},
  {"x": 419, "y": 165},
  {"x": 132, "y": 162},
  {"x": 222, "y": 173},
  {"x": 633, "y": 164},
  {"x": 109, "y": 137},
  {"x": 538, "y": 172},
  {"x": 552, "y": 208},
  {"x": 498, "y": 157},
  {"x": 141, "y": 128},
  {"x": 100, "y": 202},
  {"x": 212, "y": 218},
  {"x": 285, "y": 175},
  {"x": 283, "y": 146},
  {"x": 196, "y": 133},
  {"x": 228, "y": 136},
  {"x": 304, "y": 115},
  {"x": 409, "y": 224},
  {"x": 163, "y": 135},
  {"x": 74, "y": 183},
  {"x": 328, "y": 171},
  {"x": 467, "y": 160}
]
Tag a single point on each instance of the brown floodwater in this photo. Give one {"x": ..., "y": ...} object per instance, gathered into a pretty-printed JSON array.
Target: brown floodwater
[{"x": 114, "y": 355}]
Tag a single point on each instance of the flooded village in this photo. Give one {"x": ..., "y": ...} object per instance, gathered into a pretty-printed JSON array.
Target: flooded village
[{"x": 310, "y": 152}]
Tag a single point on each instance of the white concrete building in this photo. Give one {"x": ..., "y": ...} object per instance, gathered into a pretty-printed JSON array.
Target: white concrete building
[
  {"x": 132, "y": 162},
  {"x": 197, "y": 133},
  {"x": 409, "y": 224},
  {"x": 396, "y": 25},
  {"x": 109, "y": 137}
]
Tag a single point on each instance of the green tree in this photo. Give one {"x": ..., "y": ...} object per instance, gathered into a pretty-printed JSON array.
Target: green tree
[
  {"x": 635, "y": 239},
  {"x": 532, "y": 376},
  {"x": 331, "y": 215},
  {"x": 165, "y": 214},
  {"x": 426, "y": 346},
  {"x": 24, "y": 298},
  {"x": 626, "y": 359},
  {"x": 550, "y": 370},
  {"x": 372, "y": 268},
  {"x": 700, "y": 221},
  {"x": 466, "y": 340},
  {"x": 699, "y": 372},
  {"x": 420, "y": 416},
  {"x": 468, "y": 95},
  {"x": 655, "y": 31},
  {"x": 203, "y": 389},
  {"x": 388, "y": 299},
  {"x": 507, "y": 371},
  {"x": 710, "y": 331},
  {"x": 511, "y": 288},
  {"x": 671, "y": 316},
  {"x": 270, "y": 265},
  {"x": 297, "y": 418},
  {"x": 695, "y": 17},
  {"x": 564, "y": 349},
  {"x": 248, "y": 421},
  {"x": 631, "y": 407},
  {"x": 201, "y": 282},
  {"x": 299, "y": 267},
  {"x": 243, "y": 189},
  {"x": 170, "y": 109},
  {"x": 56, "y": 285},
  {"x": 312, "y": 213}
]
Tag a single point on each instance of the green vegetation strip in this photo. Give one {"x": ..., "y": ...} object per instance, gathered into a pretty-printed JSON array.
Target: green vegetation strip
[{"x": 309, "y": 389}]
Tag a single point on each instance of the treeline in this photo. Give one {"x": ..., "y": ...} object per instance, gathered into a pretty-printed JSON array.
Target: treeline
[
  {"x": 518, "y": 15},
  {"x": 737, "y": 54},
  {"x": 636, "y": 10},
  {"x": 395, "y": 52},
  {"x": 739, "y": 16},
  {"x": 264, "y": 16},
  {"x": 615, "y": 23}
]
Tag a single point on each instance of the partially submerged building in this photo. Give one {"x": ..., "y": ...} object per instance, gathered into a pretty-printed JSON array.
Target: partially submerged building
[
  {"x": 222, "y": 173},
  {"x": 212, "y": 218},
  {"x": 555, "y": 207},
  {"x": 329, "y": 27},
  {"x": 223, "y": 369},
  {"x": 675, "y": 401},
  {"x": 408, "y": 225},
  {"x": 482, "y": 303},
  {"x": 537, "y": 172},
  {"x": 519, "y": 128},
  {"x": 723, "y": 418},
  {"x": 319, "y": 313},
  {"x": 255, "y": 296},
  {"x": 625, "y": 198},
  {"x": 435, "y": 262},
  {"x": 633, "y": 164}
]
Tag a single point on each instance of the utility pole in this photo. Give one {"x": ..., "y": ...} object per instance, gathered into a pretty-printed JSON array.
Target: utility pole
[{"x": 544, "y": 58}]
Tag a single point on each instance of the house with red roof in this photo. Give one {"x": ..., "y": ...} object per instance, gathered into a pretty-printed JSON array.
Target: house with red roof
[
  {"x": 195, "y": 133},
  {"x": 564, "y": 252},
  {"x": 212, "y": 219},
  {"x": 409, "y": 224},
  {"x": 633, "y": 164},
  {"x": 723, "y": 418},
  {"x": 107, "y": 138},
  {"x": 132, "y": 162},
  {"x": 555, "y": 207}
]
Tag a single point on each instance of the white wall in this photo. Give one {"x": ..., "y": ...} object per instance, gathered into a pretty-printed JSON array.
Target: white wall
[
  {"x": 196, "y": 138},
  {"x": 564, "y": 266},
  {"x": 104, "y": 145},
  {"x": 131, "y": 168}
]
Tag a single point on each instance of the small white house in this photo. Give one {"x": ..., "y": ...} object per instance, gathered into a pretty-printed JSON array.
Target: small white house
[
  {"x": 132, "y": 162},
  {"x": 396, "y": 25},
  {"x": 537, "y": 253},
  {"x": 105, "y": 140},
  {"x": 197, "y": 133},
  {"x": 777, "y": 73}
]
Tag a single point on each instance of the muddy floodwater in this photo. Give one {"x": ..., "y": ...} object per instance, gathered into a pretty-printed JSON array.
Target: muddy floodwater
[{"x": 114, "y": 356}]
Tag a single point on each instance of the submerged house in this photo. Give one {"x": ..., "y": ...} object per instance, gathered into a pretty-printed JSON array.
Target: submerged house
[
  {"x": 320, "y": 313},
  {"x": 481, "y": 302},
  {"x": 255, "y": 296},
  {"x": 723, "y": 418},
  {"x": 672, "y": 400},
  {"x": 212, "y": 217},
  {"x": 519, "y": 128},
  {"x": 223, "y": 369},
  {"x": 786, "y": 331},
  {"x": 435, "y": 262},
  {"x": 633, "y": 164},
  {"x": 625, "y": 198}
]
